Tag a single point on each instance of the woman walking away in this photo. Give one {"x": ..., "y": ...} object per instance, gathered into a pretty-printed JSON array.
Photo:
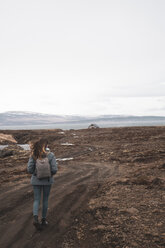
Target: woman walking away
[{"x": 42, "y": 165}]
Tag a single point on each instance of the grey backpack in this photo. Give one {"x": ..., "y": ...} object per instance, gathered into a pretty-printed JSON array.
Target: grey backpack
[{"x": 43, "y": 168}]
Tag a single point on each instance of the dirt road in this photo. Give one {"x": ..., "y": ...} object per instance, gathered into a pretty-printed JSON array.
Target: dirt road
[{"x": 70, "y": 193}]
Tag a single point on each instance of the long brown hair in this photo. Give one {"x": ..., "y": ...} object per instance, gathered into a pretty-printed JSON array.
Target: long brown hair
[{"x": 38, "y": 148}]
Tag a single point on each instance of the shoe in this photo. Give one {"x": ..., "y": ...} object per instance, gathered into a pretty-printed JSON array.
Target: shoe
[
  {"x": 44, "y": 222},
  {"x": 36, "y": 223}
]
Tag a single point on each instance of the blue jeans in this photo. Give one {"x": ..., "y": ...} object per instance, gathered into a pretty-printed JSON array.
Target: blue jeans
[{"x": 37, "y": 197}]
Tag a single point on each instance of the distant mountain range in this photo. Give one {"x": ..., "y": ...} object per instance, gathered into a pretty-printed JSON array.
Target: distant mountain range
[
  {"x": 18, "y": 118},
  {"x": 12, "y": 118}
]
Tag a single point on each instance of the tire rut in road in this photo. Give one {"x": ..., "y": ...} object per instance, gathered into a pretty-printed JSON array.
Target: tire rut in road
[{"x": 80, "y": 182}]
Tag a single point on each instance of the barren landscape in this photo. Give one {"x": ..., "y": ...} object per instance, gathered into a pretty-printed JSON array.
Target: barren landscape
[{"x": 109, "y": 191}]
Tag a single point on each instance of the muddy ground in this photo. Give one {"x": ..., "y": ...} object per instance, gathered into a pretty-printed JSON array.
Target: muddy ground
[{"x": 111, "y": 194}]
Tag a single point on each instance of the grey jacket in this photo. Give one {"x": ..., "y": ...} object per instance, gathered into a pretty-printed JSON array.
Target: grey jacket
[{"x": 45, "y": 181}]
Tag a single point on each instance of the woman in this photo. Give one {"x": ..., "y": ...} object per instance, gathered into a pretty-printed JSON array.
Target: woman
[{"x": 40, "y": 151}]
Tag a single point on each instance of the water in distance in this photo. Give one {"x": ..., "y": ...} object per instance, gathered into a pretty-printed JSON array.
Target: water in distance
[{"x": 102, "y": 123}]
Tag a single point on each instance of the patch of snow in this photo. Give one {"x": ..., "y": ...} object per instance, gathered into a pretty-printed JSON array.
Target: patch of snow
[
  {"x": 63, "y": 159},
  {"x": 67, "y": 144},
  {"x": 61, "y": 132},
  {"x": 26, "y": 147},
  {"x": 3, "y": 146}
]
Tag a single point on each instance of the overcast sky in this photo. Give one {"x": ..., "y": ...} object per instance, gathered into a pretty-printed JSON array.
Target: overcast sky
[{"x": 85, "y": 57}]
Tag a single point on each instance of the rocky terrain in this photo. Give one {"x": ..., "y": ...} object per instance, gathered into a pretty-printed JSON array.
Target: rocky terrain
[{"x": 109, "y": 191}]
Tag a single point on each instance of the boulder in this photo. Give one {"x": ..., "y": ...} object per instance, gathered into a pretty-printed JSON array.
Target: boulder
[
  {"x": 93, "y": 126},
  {"x": 5, "y": 153},
  {"x": 7, "y": 139}
]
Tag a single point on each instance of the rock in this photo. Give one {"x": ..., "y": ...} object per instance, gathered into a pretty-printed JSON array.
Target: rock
[
  {"x": 93, "y": 126},
  {"x": 5, "y": 153},
  {"x": 156, "y": 181},
  {"x": 132, "y": 210},
  {"x": 7, "y": 139},
  {"x": 141, "y": 180}
]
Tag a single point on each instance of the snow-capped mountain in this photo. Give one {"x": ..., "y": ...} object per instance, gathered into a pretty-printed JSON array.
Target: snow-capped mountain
[
  {"x": 21, "y": 118},
  {"x": 11, "y": 118}
]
